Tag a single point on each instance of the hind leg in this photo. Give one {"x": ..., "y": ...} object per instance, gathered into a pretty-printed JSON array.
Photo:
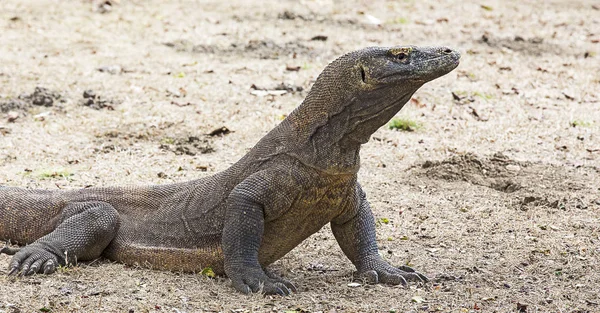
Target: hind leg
[{"x": 86, "y": 230}]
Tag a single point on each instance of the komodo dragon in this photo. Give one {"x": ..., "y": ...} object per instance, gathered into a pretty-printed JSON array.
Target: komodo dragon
[{"x": 299, "y": 177}]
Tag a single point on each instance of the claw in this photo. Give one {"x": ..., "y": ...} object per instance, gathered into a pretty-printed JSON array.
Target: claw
[
  {"x": 9, "y": 251},
  {"x": 32, "y": 270},
  {"x": 394, "y": 279},
  {"x": 49, "y": 267},
  {"x": 13, "y": 270},
  {"x": 422, "y": 278},
  {"x": 48, "y": 270},
  {"x": 291, "y": 286},
  {"x": 264, "y": 282},
  {"x": 23, "y": 271},
  {"x": 280, "y": 286},
  {"x": 248, "y": 290},
  {"x": 371, "y": 277},
  {"x": 414, "y": 277},
  {"x": 406, "y": 268},
  {"x": 380, "y": 271}
]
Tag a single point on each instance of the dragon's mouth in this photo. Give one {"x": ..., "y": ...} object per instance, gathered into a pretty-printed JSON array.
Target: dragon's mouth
[{"x": 425, "y": 70}]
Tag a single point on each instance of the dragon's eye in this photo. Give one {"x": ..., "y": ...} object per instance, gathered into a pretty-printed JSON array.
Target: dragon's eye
[{"x": 402, "y": 56}]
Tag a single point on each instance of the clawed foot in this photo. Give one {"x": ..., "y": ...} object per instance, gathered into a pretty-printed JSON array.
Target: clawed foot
[
  {"x": 30, "y": 260},
  {"x": 254, "y": 280},
  {"x": 378, "y": 271},
  {"x": 9, "y": 251}
]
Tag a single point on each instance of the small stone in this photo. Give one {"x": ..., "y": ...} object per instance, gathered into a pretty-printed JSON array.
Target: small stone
[
  {"x": 89, "y": 94},
  {"x": 173, "y": 93},
  {"x": 42, "y": 116},
  {"x": 66, "y": 291},
  {"x": 529, "y": 199},
  {"x": 513, "y": 167},
  {"x": 354, "y": 285},
  {"x": 4, "y": 130},
  {"x": 111, "y": 69},
  {"x": 12, "y": 116}
]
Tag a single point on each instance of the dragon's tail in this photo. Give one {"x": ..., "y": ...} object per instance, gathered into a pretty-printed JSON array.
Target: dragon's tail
[{"x": 26, "y": 215}]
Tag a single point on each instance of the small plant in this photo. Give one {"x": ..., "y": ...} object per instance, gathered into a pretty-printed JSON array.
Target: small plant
[
  {"x": 399, "y": 20},
  {"x": 485, "y": 96},
  {"x": 382, "y": 221},
  {"x": 168, "y": 141},
  {"x": 65, "y": 269},
  {"x": 404, "y": 124},
  {"x": 208, "y": 272},
  {"x": 580, "y": 123},
  {"x": 55, "y": 174}
]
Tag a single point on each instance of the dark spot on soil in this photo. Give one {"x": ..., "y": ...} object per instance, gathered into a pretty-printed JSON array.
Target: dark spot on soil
[
  {"x": 108, "y": 148},
  {"x": 319, "y": 38},
  {"x": 495, "y": 172},
  {"x": 444, "y": 277},
  {"x": 307, "y": 16},
  {"x": 531, "y": 201},
  {"x": 180, "y": 45},
  {"x": 89, "y": 94},
  {"x": 95, "y": 101},
  {"x": 132, "y": 136},
  {"x": 39, "y": 97},
  {"x": 539, "y": 185},
  {"x": 4, "y": 130},
  {"x": 268, "y": 49},
  {"x": 191, "y": 145},
  {"x": 13, "y": 105},
  {"x": 42, "y": 97},
  {"x": 116, "y": 140},
  {"x": 261, "y": 49},
  {"x": 505, "y": 185},
  {"x": 289, "y": 15},
  {"x": 221, "y": 131},
  {"x": 289, "y": 87},
  {"x": 531, "y": 46},
  {"x": 521, "y": 308},
  {"x": 282, "y": 86}
]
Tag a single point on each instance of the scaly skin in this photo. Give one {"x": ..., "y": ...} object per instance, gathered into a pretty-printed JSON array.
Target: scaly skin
[{"x": 299, "y": 177}]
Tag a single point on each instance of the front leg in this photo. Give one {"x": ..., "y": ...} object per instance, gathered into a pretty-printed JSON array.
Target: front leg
[
  {"x": 242, "y": 236},
  {"x": 355, "y": 234}
]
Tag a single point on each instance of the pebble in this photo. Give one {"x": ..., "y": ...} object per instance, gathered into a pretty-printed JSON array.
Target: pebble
[
  {"x": 111, "y": 69},
  {"x": 12, "y": 116},
  {"x": 89, "y": 94},
  {"x": 513, "y": 167}
]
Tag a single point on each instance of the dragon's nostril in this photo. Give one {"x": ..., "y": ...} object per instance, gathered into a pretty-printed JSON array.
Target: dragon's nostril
[{"x": 447, "y": 50}]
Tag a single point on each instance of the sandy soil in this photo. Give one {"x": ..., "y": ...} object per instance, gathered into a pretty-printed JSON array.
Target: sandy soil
[{"x": 496, "y": 196}]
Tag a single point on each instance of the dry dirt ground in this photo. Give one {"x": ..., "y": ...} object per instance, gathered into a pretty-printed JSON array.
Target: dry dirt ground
[{"x": 495, "y": 195}]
